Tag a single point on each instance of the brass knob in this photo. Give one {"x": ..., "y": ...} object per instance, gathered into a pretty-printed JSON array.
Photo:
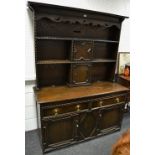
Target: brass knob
[
  {"x": 81, "y": 58},
  {"x": 117, "y": 99},
  {"x": 55, "y": 112},
  {"x": 78, "y": 107},
  {"x": 100, "y": 103},
  {"x": 89, "y": 50}
]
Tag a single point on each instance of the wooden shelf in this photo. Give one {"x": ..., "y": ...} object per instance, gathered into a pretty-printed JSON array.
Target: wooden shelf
[
  {"x": 53, "y": 62},
  {"x": 125, "y": 77},
  {"x": 40, "y": 62},
  {"x": 103, "y": 60},
  {"x": 80, "y": 39}
]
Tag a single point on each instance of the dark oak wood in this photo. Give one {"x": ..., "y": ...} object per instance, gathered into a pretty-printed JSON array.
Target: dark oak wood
[
  {"x": 76, "y": 39},
  {"x": 80, "y": 74},
  {"x": 61, "y": 93},
  {"x": 75, "y": 56},
  {"x": 125, "y": 81},
  {"x": 72, "y": 62},
  {"x": 82, "y": 50}
]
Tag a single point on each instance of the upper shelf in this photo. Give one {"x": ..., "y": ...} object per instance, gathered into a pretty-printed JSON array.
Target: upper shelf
[
  {"x": 40, "y": 62},
  {"x": 82, "y": 39}
]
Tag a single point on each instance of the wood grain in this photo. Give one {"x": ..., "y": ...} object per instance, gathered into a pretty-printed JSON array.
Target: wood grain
[{"x": 60, "y": 93}]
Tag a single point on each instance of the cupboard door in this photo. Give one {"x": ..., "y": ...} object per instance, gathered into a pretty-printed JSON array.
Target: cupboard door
[
  {"x": 88, "y": 124},
  {"x": 111, "y": 117},
  {"x": 59, "y": 130},
  {"x": 80, "y": 74},
  {"x": 82, "y": 50}
]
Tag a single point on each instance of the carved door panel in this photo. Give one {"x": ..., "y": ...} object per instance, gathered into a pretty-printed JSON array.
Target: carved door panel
[
  {"x": 111, "y": 117},
  {"x": 82, "y": 50},
  {"x": 59, "y": 130},
  {"x": 80, "y": 74},
  {"x": 88, "y": 124}
]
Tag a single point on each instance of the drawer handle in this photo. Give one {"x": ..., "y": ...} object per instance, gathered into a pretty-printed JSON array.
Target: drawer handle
[
  {"x": 55, "y": 112},
  {"x": 78, "y": 108},
  {"x": 100, "y": 103},
  {"x": 81, "y": 58},
  {"x": 89, "y": 50},
  {"x": 117, "y": 99}
]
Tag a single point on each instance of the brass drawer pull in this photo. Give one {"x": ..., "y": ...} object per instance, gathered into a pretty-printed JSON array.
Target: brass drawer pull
[
  {"x": 89, "y": 50},
  {"x": 117, "y": 99},
  {"x": 55, "y": 112},
  {"x": 101, "y": 103},
  {"x": 81, "y": 58},
  {"x": 78, "y": 108}
]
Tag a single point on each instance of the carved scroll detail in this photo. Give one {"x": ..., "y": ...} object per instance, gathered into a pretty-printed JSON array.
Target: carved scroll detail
[{"x": 72, "y": 20}]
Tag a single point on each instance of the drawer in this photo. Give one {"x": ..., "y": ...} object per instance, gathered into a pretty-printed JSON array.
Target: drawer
[
  {"x": 65, "y": 109},
  {"x": 82, "y": 50},
  {"x": 82, "y": 106},
  {"x": 108, "y": 101}
]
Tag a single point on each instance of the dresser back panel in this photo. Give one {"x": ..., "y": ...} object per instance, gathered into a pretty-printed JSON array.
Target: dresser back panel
[
  {"x": 103, "y": 72},
  {"x": 104, "y": 50},
  {"x": 48, "y": 27},
  {"x": 51, "y": 74},
  {"x": 53, "y": 49}
]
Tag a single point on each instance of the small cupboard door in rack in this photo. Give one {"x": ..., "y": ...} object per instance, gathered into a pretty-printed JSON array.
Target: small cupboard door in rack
[
  {"x": 59, "y": 130},
  {"x": 80, "y": 74},
  {"x": 82, "y": 50}
]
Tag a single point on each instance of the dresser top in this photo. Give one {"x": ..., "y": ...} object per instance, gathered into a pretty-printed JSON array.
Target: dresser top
[{"x": 61, "y": 93}]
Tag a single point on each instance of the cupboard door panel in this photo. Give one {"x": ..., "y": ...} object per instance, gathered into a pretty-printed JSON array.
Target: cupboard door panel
[
  {"x": 80, "y": 74},
  {"x": 59, "y": 130},
  {"x": 111, "y": 117}
]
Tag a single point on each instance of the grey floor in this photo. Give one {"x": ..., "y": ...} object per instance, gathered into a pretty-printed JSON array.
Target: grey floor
[{"x": 99, "y": 146}]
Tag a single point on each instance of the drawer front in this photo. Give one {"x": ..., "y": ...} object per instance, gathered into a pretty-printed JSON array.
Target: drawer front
[
  {"x": 83, "y": 105},
  {"x": 77, "y": 107},
  {"x": 80, "y": 74},
  {"x": 82, "y": 50},
  {"x": 109, "y": 101}
]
